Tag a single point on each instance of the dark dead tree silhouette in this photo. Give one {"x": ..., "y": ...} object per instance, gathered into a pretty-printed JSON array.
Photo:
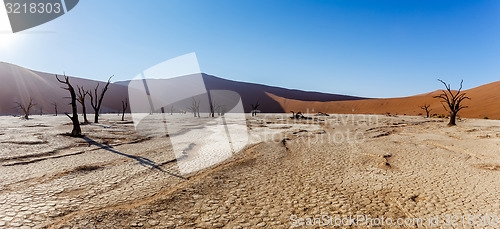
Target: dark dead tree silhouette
[
  {"x": 124, "y": 108},
  {"x": 82, "y": 94},
  {"x": 77, "y": 131},
  {"x": 41, "y": 110},
  {"x": 254, "y": 108},
  {"x": 26, "y": 107},
  {"x": 55, "y": 107},
  {"x": 426, "y": 108},
  {"x": 96, "y": 99},
  {"x": 211, "y": 106},
  {"x": 212, "y": 110},
  {"x": 216, "y": 109},
  {"x": 452, "y": 101}
]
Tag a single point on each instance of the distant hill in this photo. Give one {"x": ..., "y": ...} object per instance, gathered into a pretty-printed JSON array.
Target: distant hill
[
  {"x": 18, "y": 84},
  {"x": 251, "y": 93}
]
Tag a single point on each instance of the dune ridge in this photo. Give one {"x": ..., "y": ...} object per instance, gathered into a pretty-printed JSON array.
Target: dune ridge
[{"x": 19, "y": 83}]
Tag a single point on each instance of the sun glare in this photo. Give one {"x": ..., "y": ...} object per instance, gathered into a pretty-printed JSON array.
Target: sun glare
[{"x": 6, "y": 35}]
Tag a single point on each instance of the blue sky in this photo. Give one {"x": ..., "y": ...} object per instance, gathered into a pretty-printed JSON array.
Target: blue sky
[{"x": 365, "y": 48}]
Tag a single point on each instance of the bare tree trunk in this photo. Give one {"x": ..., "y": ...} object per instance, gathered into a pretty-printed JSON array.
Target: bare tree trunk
[
  {"x": 124, "y": 106},
  {"x": 82, "y": 94},
  {"x": 452, "y": 101},
  {"x": 96, "y": 100},
  {"x": 26, "y": 108},
  {"x": 453, "y": 117},
  {"x": 254, "y": 108},
  {"x": 77, "y": 131},
  {"x": 84, "y": 110},
  {"x": 195, "y": 107},
  {"x": 210, "y": 105},
  {"x": 55, "y": 107},
  {"x": 427, "y": 109}
]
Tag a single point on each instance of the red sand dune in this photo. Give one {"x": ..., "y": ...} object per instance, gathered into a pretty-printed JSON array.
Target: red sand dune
[
  {"x": 18, "y": 84},
  {"x": 485, "y": 102}
]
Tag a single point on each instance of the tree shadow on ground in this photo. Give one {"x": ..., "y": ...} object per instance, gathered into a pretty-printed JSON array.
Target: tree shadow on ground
[{"x": 142, "y": 160}]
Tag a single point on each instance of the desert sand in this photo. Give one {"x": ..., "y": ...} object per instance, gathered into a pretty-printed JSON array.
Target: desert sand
[
  {"x": 484, "y": 103},
  {"x": 337, "y": 165}
]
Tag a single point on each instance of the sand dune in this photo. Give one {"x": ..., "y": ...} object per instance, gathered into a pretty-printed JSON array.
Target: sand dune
[
  {"x": 19, "y": 83},
  {"x": 485, "y": 102},
  {"x": 245, "y": 172}
]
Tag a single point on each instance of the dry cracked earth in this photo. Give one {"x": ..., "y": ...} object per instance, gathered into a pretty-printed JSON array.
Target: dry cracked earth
[{"x": 293, "y": 172}]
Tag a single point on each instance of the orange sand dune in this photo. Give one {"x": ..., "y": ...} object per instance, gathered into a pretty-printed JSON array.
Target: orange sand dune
[
  {"x": 18, "y": 84},
  {"x": 485, "y": 102}
]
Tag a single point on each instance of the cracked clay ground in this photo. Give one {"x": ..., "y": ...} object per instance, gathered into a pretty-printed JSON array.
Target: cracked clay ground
[{"x": 391, "y": 167}]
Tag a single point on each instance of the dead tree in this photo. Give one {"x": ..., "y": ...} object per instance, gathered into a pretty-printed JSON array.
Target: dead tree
[
  {"x": 426, "y": 108},
  {"x": 96, "y": 99},
  {"x": 452, "y": 101},
  {"x": 77, "y": 131},
  {"x": 171, "y": 110},
  {"x": 220, "y": 109},
  {"x": 215, "y": 109},
  {"x": 41, "y": 110},
  {"x": 55, "y": 107},
  {"x": 124, "y": 108},
  {"x": 26, "y": 107},
  {"x": 82, "y": 94},
  {"x": 254, "y": 108},
  {"x": 195, "y": 107},
  {"x": 198, "y": 109}
]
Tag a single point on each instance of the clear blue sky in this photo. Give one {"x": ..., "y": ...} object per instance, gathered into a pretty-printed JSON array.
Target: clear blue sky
[{"x": 366, "y": 48}]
